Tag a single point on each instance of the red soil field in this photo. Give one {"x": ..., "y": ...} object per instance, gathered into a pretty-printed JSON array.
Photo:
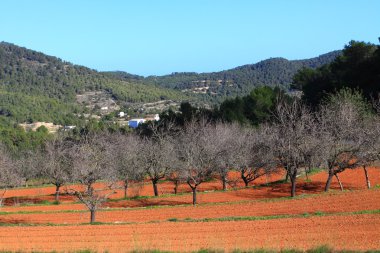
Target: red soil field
[
  {"x": 355, "y": 232},
  {"x": 327, "y": 203},
  {"x": 351, "y": 179},
  {"x": 145, "y": 189},
  {"x": 341, "y": 231}
]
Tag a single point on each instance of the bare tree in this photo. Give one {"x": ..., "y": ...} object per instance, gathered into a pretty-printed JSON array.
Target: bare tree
[
  {"x": 29, "y": 165},
  {"x": 56, "y": 165},
  {"x": 242, "y": 148},
  {"x": 256, "y": 153},
  {"x": 174, "y": 173},
  {"x": 125, "y": 154},
  {"x": 342, "y": 126},
  {"x": 174, "y": 177},
  {"x": 155, "y": 158},
  {"x": 157, "y": 152},
  {"x": 295, "y": 141},
  {"x": 92, "y": 162},
  {"x": 8, "y": 173},
  {"x": 369, "y": 151},
  {"x": 222, "y": 139},
  {"x": 198, "y": 152}
]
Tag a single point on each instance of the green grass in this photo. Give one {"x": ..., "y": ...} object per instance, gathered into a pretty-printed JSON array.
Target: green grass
[
  {"x": 218, "y": 219},
  {"x": 272, "y": 217}
]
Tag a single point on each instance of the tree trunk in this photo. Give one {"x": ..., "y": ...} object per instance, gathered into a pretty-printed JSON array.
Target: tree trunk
[
  {"x": 307, "y": 174},
  {"x": 340, "y": 183},
  {"x": 92, "y": 220},
  {"x": 194, "y": 195},
  {"x": 293, "y": 179},
  {"x": 287, "y": 176},
  {"x": 328, "y": 182},
  {"x": 244, "y": 179},
  {"x": 366, "y": 177},
  {"x": 155, "y": 187},
  {"x": 57, "y": 192},
  {"x": 175, "y": 186},
  {"x": 224, "y": 181},
  {"x": 125, "y": 189}
]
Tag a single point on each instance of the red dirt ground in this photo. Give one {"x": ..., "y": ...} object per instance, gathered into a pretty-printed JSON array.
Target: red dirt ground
[
  {"x": 145, "y": 189},
  {"x": 352, "y": 179},
  {"x": 327, "y": 203},
  {"x": 355, "y": 232}
]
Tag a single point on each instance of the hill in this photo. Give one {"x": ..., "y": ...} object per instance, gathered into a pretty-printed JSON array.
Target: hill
[
  {"x": 37, "y": 87},
  {"x": 241, "y": 80}
]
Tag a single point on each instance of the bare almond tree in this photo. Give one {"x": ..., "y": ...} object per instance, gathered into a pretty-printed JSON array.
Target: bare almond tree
[
  {"x": 155, "y": 158},
  {"x": 369, "y": 151},
  {"x": 56, "y": 165},
  {"x": 254, "y": 154},
  {"x": 125, "y": 154},
  {"x": 241, "y": 148},
  {"x": 222, "y": 136},
  {"x": 175, "y": 177},
  {"x": 198, "y": 152},
  {"x": 157, "y": 152},
  {"x": 92, "y": 162},
  {"x": 295, "y": 140},
  {"x": 342, "y": 122},
  {"x": 29, "y": 165},
  {"x": 8, "y": 173},
  {"x": 174, "y": 173}
]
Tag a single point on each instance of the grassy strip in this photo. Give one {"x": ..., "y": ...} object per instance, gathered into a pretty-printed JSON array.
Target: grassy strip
[
  {"x": 219, "y": 219},
  {"x": 273, "y": 217}
]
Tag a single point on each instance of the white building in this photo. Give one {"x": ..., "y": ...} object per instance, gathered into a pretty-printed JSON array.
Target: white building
[{"x": 152, "y": 117}]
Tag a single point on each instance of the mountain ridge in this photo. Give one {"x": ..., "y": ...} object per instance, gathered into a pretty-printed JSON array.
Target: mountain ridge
[
  {"x": 52, "y": 84},
  {"x": 276, "y": 71}
]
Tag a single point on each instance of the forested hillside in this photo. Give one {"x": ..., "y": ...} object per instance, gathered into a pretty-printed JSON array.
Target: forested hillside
[
  {"x": 241, "y": 80},
  {"x": 358, "y": 67},
  {"x": 37, "y": 87}
]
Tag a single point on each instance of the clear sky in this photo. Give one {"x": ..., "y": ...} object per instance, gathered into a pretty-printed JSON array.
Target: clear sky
[{"x": 155, "y": 37}]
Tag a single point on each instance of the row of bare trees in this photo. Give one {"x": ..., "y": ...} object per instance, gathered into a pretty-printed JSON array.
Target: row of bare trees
[{"x": 343, "y": 134}]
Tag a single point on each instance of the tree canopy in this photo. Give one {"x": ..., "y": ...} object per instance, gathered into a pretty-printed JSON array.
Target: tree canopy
[{"x": 357, "y": 68}]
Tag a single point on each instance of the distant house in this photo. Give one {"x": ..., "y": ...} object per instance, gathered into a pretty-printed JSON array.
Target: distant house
[
  {"x": 134, "y": 123},
  {"x": 121, "y": 114},
  {"x": 65, "y": 128},
  {"x": 152, "y": 117}
]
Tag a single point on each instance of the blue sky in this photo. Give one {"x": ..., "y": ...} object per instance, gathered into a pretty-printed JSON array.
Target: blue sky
[{"x": 162, "y": 36}]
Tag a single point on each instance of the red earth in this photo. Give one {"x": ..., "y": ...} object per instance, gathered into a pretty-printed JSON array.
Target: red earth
[
  {"x": 354, "y": 232},
  {"x": 312, "y": 219}
]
